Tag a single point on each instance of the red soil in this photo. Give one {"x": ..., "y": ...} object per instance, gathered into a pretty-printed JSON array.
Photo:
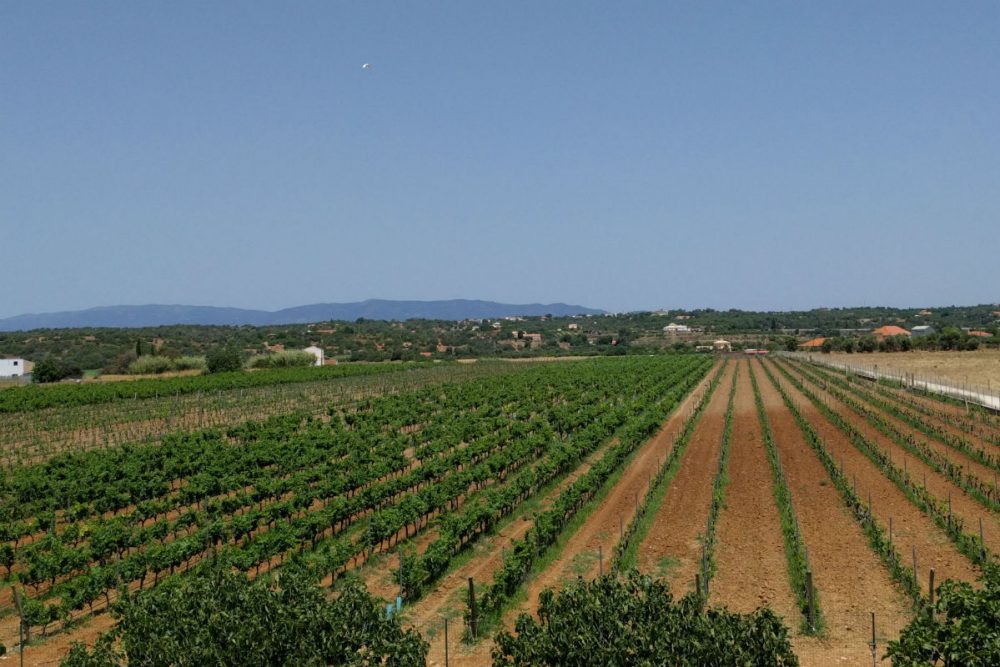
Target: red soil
[
  {"x": 963, "y": 506},
  {"x": 911, "y": 528},
  {"x": 672, "y": 547},
  {"x": 750, "y": 555},
  {"x": 849, "y": 577}
]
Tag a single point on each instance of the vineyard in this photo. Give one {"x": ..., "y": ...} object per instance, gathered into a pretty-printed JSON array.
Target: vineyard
[{"x": 462, "y": 493}]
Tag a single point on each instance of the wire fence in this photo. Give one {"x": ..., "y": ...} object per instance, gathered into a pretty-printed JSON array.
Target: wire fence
[{"x": 987, "y": 397}]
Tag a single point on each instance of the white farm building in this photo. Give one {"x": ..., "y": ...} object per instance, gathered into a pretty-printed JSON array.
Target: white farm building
[
  {"x": 316, "y": 352},
  {"x": 12, "y": 368}
]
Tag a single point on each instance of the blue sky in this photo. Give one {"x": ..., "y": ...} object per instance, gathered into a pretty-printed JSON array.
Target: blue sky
[{"x": 617, "y": 155}]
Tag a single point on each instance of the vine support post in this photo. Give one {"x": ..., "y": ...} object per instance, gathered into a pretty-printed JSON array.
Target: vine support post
[
  {"x": 473, "y": 621},
  {"x": 446, "y": 641},
  {"x": 872, "y": 645},
  {"x": 23, "y": 630},
  {"x": 811, "y": 600},
  {"x": 982, "y": 540},
  {"x": 931, "y": 587}
]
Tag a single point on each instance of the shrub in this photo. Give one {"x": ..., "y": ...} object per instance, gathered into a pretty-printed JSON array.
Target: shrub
[
  {"x": 961, "y": 629},
  {"x": 51, "y": 369},
  {"x": 223, "y": 360},
  {"x": 149, "y": 365},
  {"x": 218, "y": 617},
  {"x": 287, "y": 359},
  {"x": 189, "y": 363},
  {"x": 635, "y": 621}
]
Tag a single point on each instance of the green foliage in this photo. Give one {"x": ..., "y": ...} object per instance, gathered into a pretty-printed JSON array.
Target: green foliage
[
  {"x": 150, "y": 365},
  {"x": 24, "y": 399},
  {"x": 962, "y": 629},
  {"x": 635, "y": 621},
  {"x": 51, "y": 369},
  {"x": 224, "y": 360},
  {"x": 289, "y": 359},
  {"x": 153, "y": 365},
  {"x": 217, "y": 617}
]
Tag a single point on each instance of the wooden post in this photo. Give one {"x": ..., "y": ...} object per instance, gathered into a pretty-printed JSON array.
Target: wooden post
[
  {"x": 809, "y": 597},
  {"x": 446, "y": 641},
  {"x": 931, "y": 584},
  {"x": 697, "y": 583},
  {"x": 23, "y": 631},
  {"x": 872, "y": 644},
  {"x": 473, "y": 621}
]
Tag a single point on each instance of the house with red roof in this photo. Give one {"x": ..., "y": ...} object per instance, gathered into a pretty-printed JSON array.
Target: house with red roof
[{"x": 890, "y": 330}]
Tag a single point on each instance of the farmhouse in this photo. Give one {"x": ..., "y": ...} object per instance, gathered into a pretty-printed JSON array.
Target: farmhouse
[
  {"x": 814, "y": 344},
  {"x": 13, "y": 368},
  {"x": 722, "y": 345},
  {"x": 674, "y": 328},
  {"x": 316, "y": 352},
  {"x": 890, "y": 330},
  {"x": 534, "y": 339}
]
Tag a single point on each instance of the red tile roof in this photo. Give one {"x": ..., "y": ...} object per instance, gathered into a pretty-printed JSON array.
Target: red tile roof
[{"x": 890, "y": 330}]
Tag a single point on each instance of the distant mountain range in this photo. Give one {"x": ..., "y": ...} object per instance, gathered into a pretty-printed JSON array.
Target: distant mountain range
[{"x": 372, "y": 309}]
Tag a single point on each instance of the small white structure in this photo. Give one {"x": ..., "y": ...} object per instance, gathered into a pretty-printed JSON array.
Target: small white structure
[
  {"x": 12, "y": 368},
  {"x": 674, "y": 328},
  {"x": 922, "y": 330},
  {"x": 316, "y": 352},
  {"x": 723, "y": 345}
]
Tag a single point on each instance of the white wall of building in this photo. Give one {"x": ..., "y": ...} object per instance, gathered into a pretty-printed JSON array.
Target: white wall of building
[
  {"x": 316, "y": 352},
  {"x": 11, "y": 368}
]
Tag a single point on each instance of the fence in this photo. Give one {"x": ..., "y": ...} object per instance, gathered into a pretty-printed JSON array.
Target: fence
[{"x": 985, "y": 397}]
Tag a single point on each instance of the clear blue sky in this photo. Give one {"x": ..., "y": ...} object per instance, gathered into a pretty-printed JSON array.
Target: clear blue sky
[{"x": 616, "y": 155}]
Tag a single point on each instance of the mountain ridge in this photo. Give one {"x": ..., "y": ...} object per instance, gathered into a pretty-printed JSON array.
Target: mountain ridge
[{"x": 151, "y": 315}]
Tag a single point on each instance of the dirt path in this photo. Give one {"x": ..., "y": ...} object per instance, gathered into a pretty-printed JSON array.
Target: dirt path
[
  {"x": 672, "y": 548},
  {"x": 849, "y": 577},
  {"x": 752, "y": 570},
  {"x": 911, "y": 528}
]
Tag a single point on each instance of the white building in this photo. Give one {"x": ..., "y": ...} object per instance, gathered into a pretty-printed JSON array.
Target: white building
[
  {"x": 316, "y": 352},
  {"x": 12, "y": 368},
  {"x": 674, "y": 328}
]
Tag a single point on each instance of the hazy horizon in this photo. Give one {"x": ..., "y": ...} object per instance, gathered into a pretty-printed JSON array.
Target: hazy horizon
[{"x": 623, "y": 157}]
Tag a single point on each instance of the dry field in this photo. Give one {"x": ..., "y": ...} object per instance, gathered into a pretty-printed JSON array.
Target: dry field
[{"x": 979, "y": 367}]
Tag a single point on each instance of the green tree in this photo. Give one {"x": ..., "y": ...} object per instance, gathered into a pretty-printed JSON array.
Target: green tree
[
  {"x": 635, "y": 621},
  {"x": 963, "y": 628},
  {"x": 51, "y": 369},
  {"x": 220, "y": 618},
  {"x": 224, "y": 359}
]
